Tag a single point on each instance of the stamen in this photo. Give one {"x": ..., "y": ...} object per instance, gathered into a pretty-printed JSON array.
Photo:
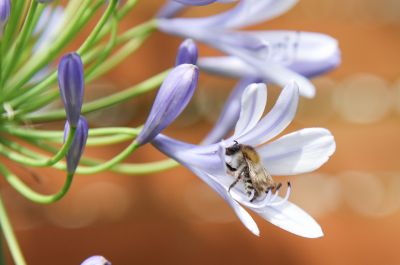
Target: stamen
[
  {"x": 269, "y": 194},
  {"x": 289, "y": 189},
  {"x": 276, "y": 193},
  {"x": 252, "y": 195}
]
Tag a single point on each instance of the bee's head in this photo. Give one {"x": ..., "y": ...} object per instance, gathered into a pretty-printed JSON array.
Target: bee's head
[{"x": 229, "y": 151}]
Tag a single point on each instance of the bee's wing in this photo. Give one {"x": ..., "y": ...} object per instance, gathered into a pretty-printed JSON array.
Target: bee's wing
[{"x": 259, "y": 176}]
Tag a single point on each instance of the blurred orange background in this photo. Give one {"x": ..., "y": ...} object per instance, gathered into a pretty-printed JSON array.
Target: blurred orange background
[{"x": 174, "y": 218}]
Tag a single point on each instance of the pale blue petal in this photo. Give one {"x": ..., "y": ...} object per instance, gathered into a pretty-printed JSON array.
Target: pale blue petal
[
  {"x": 306, "y": 53},
  {"x": 230, "y": 113},
  {"x": 273, "y": 72},
  {"x": 249, "y": 45},
  {"x": 202, "y": 157},
  {"x": 254, "y": 100},
  {"x": 170, "y": 9},
  {"x": 245, "y": 13},
  {"x": 276, "y": 120}
]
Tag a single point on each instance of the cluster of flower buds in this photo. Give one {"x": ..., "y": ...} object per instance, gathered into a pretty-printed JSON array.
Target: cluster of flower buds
[{"x": 71, "y": 84}]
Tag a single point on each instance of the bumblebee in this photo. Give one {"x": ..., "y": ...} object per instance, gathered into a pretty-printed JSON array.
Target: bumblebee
[{"x": 245, "y": 164}]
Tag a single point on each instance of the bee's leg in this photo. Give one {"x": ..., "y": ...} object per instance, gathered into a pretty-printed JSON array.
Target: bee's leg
[
  {"x": 255, "y": 196},
  {"x": 248, "y": 186},
  {"x": 278, "y": 187},
  {"x": 235, "y": 182},
  {"x": 230, "y": 168}
]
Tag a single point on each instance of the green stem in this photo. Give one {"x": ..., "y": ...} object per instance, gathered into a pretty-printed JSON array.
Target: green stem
[
  {"x": 136, "y": 90},
  {"x": 45, "y": 134},
  {"x": 12, "y": 24},
  {"x": 21, "y": 40},
  {"x": 91, "y": 73},
  {"x": 110, "y": 163},
  {"x": 118, "y": 57},
  {"x": 51, "y": 79},
  {"x": 44, "y": 57},
  {"x": 40, "y": 163},
  {"x": 10, "y": 236},
  {"x": 32, "y": 195},
  {"x": 122, "y": 168},
  {"x": 93, "y": 35},
  {"x": 105, "y": 52}
]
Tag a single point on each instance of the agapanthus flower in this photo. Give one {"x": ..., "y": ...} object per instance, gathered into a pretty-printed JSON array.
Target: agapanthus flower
[
  {"x": 96, "y": 260},
  {"x": 295, "y": 153},
  {"x": 5, "y": 7},
  {"x": 71, "y": 84},
  {"x": 78, "y": 143},
  {"x": 274, "y": 56}
]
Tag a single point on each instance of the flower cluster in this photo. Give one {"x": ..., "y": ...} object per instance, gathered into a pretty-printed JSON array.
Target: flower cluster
[{"x": 28, "y": 86}]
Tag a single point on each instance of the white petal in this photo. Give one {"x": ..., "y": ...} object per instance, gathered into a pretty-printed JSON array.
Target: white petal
[
  {"x": 243, "y": 215},
  {"x": 230, "y": 113},
  {"x": 276, "y": 120},
  {"x": 253, "y": 103},
  {"x": 298, "y": 152},
  {"x": 291, "y": 218}
]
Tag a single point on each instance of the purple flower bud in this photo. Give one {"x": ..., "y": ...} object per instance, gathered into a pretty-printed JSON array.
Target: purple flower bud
[
  {"x": 78, "y": 143},
  {"x": 71, "y": 83},
  {"x": 172, "y": 98},
  {"x": 5, "y": 7},
  {"x": 96, "y": 260},
  {"x": 187, "y": 52}
]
